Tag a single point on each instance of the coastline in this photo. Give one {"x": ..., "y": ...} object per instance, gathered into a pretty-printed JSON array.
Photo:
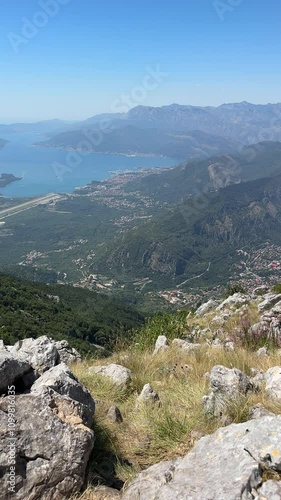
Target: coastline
[{"x": 110, "y": 153}]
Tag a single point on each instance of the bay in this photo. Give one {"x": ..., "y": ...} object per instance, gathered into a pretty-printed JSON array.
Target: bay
[{"x": 39, "y": 175}]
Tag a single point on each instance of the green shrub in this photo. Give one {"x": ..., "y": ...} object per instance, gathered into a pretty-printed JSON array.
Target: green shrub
[
  {"x": 277, "y": 288},
  {"x": 172, "y": 325},
  {"x": 233, "y": 288}
]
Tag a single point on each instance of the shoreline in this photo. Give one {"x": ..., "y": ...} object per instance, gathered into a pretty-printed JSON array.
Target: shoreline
[{"x": 109, "y": 153}]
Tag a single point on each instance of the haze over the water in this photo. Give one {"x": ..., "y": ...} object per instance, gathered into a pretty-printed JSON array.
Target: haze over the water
[{"x": 72, "y": 59}]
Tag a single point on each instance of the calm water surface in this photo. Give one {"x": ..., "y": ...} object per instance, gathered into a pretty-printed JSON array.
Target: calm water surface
[{"x": 36, "y": 167}]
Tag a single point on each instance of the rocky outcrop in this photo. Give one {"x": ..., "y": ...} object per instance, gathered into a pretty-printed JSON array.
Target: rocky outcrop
[
  {"x": 45, "y": 420},
  {"x": 41, "y": 354},
  {"x": 63, "y": 382},
  {"x": 234, "y": 301},
  {"x": 117, "y": 374},
  {"x": 228, "y": 465},
  {"x": 269, "y": 326},
  {"x": 225, "y": 384},
  {"x": 67, "y": 354},
  {"x": 11, "y": 369},
  {"x": 269, "y": 301},
  {"x": 52, "y": 447},
  {"x": 206, "y": 308}
]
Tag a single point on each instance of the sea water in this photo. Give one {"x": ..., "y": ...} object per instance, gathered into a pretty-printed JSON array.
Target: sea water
[{"x": 39, "y": 175}]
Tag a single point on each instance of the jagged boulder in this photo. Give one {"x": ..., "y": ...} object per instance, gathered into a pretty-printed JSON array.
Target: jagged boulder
[
  {"x": 67, "y": 354},
  {"x": 52, "y": 447},
  {"x": 220, "y": 466},
  {"x": 161, "y": 344},
  {"x": 115, "y": 415},
  {"x": 225, "y": 384},
  {"x": 206, "y": 308},
  {"x": 41, "y": 354},
  {"x": 273, "y": 382},
  {"x": 62, "y": 381},
  {"x": 117, "y": 374},
  {"x": 270, "y": 300},
  {"x": 269, "y": 326},
  {"x": 234, "y": 301},
  {"x": 147, "y": 395},
  {"x": 11, "y": 369}
]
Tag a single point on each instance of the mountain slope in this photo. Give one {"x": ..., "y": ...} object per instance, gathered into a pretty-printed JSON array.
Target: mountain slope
[
  {"x": 194, "y": 238},
  {"x": 62, "y": 312},
  {"x": 198, "y": 176}
]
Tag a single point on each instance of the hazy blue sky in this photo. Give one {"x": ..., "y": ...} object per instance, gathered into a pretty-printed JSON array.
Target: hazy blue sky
[{"x": 88, "y": 55}]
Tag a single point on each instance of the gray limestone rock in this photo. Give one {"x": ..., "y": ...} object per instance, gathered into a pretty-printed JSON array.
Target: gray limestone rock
[
  {"x": 148, "y": 395},
  {"x": 161, "y": 344},
  {"x": 62, "y": 381},
  {"x": 273, "y": 382},
  {"x": 225, "y": 385},
  {"x": 41, "y": 353},
  {"x": 117, "y": 374},
  {"x": 52, "y": 447},
  {"x": 11, "y": 369},
  {"x": 220, "y": 466}
]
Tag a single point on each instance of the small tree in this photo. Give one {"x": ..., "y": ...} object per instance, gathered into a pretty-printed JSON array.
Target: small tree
[{"x": 233, "y": 288}]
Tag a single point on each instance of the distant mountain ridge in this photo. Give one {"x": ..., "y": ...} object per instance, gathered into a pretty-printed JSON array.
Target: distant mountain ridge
[
  {"x": 164, "y": 130},
  {"x": 136, "y": 141}
]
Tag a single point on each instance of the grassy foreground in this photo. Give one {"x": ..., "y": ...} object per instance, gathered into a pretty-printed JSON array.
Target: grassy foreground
[{"x": 153, "y": 433}]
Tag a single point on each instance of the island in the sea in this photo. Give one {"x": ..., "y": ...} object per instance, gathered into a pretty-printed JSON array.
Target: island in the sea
[{"x": 6, "y": 179}]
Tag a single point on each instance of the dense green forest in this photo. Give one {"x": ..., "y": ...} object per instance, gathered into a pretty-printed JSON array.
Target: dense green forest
[{"x": 63, "y": 312}]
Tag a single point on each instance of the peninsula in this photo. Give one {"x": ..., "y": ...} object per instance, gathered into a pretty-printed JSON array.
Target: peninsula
[{"x": 6, "y": 179}]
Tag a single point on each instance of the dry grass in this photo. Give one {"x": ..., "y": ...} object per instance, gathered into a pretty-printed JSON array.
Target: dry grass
[{"x": 153, "y": 433}]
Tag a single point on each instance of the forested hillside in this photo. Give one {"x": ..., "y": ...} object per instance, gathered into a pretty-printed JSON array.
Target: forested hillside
[
  {"x": 62, "y": 312},
  {"x": 197, "y": 176},
  {"x": 196, "y": 238},
  {"x": 135, "y": 140}
]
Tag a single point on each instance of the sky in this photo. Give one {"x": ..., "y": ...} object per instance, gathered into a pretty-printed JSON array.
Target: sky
[{"x": 72, "y": 59}]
